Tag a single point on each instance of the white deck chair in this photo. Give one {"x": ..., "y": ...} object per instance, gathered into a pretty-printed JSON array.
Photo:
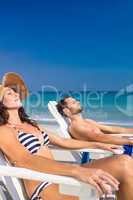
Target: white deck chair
[
  {"x": 94, "y": 153},
  {"x": 12, "y": 188}
]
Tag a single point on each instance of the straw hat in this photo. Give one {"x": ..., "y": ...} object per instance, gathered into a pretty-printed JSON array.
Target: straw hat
[
  {"x": 2, "y": 91},
  {"x": 14, "y": 81}
]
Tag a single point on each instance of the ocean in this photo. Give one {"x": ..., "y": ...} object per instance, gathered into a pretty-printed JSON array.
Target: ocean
[{"x": 104, "y": 106}]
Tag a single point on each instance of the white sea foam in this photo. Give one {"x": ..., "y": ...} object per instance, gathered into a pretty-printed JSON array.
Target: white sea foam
[
  {"x": 120, "y": 123},
  {"x": 46, "y": 117}
]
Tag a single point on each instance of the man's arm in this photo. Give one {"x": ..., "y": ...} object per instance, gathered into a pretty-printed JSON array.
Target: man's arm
[
  {"x": 82, "y": 132},
  {"x": 111, "y": 129},
  {"x": 115, "y": 129}
]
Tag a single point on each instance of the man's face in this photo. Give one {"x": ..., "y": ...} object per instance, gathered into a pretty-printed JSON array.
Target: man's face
[{"x": 73, "y": 105}]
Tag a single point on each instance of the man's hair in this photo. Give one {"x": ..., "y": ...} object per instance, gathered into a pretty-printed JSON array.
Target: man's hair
[{"x": 61, "y": 105}]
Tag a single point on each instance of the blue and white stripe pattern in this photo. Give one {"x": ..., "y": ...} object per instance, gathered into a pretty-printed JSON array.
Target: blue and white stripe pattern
[
  {"x": 40, "y": 187},
  {"x": 31, "y": 142}
]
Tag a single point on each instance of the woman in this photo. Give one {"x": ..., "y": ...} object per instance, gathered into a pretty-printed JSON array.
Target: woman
[{"x": 26, "y": 145}]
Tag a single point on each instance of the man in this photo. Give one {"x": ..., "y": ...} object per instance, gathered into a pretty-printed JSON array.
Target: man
[{"x": 87, "y": 129}]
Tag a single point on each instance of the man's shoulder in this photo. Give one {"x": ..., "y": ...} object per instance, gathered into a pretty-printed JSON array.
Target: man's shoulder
[
  {"x": 77, "y": 125},
  {"x": 89, "y": 120}
]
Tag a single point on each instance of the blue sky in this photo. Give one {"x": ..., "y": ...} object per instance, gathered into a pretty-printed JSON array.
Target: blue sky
[{"x": 68, "y": 44}]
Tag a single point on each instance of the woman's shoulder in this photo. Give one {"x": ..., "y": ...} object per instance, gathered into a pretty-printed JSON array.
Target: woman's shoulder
[
  {"x": 7, "y": 136},
  {"x": 5, "y": 129}
]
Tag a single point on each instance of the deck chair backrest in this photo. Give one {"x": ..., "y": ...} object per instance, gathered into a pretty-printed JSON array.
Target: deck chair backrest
[
  {"x": 59, "y": 118},
  {"x": 63, "y": 127},
  {"x": 14, "y": 188}
]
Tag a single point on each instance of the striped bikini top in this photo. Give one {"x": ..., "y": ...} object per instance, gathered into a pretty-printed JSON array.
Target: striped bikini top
[{"x": 31, "y": 142}]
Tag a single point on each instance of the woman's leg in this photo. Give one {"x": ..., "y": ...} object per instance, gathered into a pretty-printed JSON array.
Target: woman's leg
[
  {"x": 121, "y": 167},
  {"x": 52, "y": 192},
  {"x": 118, "y": 166}
]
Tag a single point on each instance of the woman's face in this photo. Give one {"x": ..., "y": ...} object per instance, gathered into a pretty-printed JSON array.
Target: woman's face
[{"x": 11, "y": 99}]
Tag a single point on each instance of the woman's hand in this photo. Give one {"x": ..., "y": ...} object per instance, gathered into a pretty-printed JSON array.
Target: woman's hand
[
  {"x": 102, "y": 181},
  {"x": 109, "y": 147}
]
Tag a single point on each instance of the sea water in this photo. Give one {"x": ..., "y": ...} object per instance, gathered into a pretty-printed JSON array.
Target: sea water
[{"x": 104, "y": 106}]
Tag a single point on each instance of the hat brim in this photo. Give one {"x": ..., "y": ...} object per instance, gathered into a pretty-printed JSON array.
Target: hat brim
[{"x": 15, "y": 81}]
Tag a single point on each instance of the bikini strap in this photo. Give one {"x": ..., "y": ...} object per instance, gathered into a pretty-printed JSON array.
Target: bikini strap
[{"x": 14, "y": 127}]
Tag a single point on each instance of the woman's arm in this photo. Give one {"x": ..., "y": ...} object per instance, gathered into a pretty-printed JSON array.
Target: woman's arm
[
  {"x": 20, "y": 156},
  {"x": 79, "y": 144}
]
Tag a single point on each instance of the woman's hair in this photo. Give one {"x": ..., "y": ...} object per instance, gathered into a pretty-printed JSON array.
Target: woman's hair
[{"x": 4, "y": 116}]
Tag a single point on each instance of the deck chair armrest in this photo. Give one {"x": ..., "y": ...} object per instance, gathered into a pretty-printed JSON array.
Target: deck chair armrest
[
  {"x": 61, "y": 180},
  {"x": 24, "y": 173}
]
